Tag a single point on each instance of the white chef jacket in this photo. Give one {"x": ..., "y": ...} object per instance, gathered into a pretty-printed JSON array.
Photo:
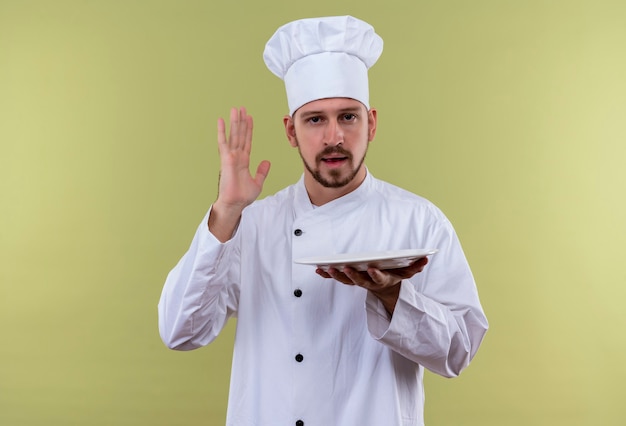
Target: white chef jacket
[{"x": 312, "y": 351}]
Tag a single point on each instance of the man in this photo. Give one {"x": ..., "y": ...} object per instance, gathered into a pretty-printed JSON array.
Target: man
[{"x": 341, "y": 347}]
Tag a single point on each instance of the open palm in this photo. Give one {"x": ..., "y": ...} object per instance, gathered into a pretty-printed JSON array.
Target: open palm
[{"x": 237, "y": 187}]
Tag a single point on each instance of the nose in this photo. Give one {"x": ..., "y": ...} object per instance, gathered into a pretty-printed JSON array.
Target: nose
[{"x": 333, "y": 134}]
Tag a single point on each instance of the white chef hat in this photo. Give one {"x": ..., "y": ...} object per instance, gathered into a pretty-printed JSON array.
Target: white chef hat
[{"x": 323, "y": 58}]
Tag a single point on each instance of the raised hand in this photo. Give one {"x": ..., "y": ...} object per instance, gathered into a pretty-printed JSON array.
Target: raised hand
[{"x": 237, "y": 187}]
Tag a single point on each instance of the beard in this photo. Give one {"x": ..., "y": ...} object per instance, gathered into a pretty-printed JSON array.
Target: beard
[{"x": 335, "y": 178}]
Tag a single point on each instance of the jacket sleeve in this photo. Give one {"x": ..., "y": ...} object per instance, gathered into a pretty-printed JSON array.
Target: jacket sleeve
[
  {"x": 200, "y": 293},
  {"x": 438, "y": 321}
]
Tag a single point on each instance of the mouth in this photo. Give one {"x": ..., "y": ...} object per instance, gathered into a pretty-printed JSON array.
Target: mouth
[
  {"x": 334, "y": 156},
  {"x": 334, "y": 160}
]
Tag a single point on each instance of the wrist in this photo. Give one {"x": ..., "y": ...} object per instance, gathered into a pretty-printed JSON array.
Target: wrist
[
  {"x": 223, "y": 220},
  {"x": 388, "y": 291},
  {"x": 388, "y": 296}
]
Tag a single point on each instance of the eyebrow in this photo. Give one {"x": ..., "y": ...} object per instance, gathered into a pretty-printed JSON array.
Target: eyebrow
[{"x": 339, "y": 111}]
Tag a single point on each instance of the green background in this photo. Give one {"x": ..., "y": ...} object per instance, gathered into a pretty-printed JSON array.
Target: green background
[{"x": 509, "y": 115}]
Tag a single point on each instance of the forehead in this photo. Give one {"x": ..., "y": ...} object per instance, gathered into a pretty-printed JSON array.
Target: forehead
[{"x": 330, "y": 106}]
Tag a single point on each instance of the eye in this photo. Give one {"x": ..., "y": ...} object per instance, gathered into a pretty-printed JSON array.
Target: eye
[
  {"x": 315, "y": 119},
  {"x": 349, "y": 117}
]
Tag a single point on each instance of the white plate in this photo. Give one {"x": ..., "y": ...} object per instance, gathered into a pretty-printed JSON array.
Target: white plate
[{"x": 390, "y": 259}]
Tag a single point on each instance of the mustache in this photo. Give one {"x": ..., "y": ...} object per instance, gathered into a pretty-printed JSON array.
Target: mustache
[{"x": 333, "y": 150}]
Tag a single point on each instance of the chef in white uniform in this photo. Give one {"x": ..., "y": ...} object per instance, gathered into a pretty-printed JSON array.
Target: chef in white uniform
[{"x": 314, "y": 347}]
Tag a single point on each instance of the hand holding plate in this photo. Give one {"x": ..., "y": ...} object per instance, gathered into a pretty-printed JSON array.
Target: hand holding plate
[{"x": 385, "y": 284}]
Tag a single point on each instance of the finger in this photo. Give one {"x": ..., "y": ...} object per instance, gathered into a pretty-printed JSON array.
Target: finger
[
  {"x": 339, "y": 276},
  {"x": 409, "y": 271},
  {"x": 360, "y": 278},
  {"x": 322, "y": 273},
  {"x": 261, "y": 172},
  {"x": 233, "y": 139},
  {"x": 412, "y": 269},
  {"x": 377, "y": 276},
  {"x": 242, "y": 130},
  {"x": 248, "y": 134},
  {"x": 221, "y": 132},
  {"x": 394, "y": 276}
]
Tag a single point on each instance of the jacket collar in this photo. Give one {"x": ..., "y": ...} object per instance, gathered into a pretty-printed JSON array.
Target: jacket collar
[{"x": 303, "y": 207}]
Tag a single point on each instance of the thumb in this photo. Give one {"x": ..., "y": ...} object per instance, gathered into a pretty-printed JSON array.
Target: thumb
[{"x": 262, "y": 171}]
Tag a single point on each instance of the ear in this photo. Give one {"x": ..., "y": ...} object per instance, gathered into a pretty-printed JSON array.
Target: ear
[
  {"x": 290, "y": 130},
  {"x": 372, "y": 120}
]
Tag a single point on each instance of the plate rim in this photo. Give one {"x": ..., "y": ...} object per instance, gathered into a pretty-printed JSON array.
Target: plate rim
[{"x": 358, "y": 257}]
